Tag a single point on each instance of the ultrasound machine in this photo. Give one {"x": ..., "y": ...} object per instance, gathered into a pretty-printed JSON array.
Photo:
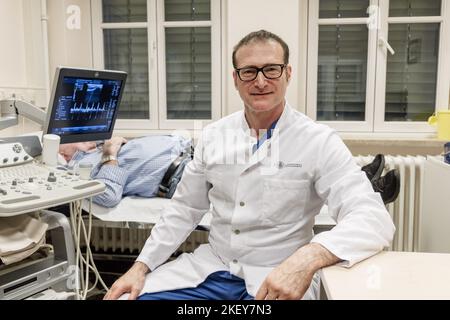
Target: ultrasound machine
[
  {"x": 83, "y": 107},
  {"x": 84, "y": 104}
]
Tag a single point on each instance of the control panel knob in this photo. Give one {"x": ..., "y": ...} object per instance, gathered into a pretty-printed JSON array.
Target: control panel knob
[
  {"x": 17, "y": 148},
  {"x": 5, "y": 160}
]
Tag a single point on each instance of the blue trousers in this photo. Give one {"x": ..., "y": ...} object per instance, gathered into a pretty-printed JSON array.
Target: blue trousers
[{"x": 219, "y": 285}]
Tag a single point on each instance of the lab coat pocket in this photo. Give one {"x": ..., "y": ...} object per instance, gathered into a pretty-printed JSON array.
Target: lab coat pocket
[{"x": 284, "y": 200}]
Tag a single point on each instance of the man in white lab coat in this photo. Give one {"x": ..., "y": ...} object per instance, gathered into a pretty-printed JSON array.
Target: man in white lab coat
[{"x": 264, "y": 172}]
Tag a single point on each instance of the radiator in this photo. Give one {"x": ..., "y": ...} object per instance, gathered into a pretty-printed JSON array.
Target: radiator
[
  {"x": 109, "y": 238},
  {"x": 405, "y": 209}
]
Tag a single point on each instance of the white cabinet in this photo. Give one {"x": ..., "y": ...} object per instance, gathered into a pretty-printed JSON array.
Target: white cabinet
[{"x": 434, "y": 224}]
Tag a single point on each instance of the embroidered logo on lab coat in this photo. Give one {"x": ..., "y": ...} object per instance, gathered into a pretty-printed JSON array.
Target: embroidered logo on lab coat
[{"x": 282, "y": 165}]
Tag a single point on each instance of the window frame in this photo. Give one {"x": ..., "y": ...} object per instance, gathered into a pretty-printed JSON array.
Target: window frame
[
  {"x": 376, "y": 69},
  {"x": 313, "y": 56},
  {"x": 442, "y": 76},
  {"x": 156, "y": 26}
]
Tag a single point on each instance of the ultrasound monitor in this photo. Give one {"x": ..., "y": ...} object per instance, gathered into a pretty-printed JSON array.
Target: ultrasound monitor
[{"x": 84, "y": 104}]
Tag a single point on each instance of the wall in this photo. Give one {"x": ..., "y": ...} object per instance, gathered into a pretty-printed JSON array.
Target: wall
[
  {"x": 21, "y": 57},
  {"x": 70, "y": 44},
  {"x": 22, "y": 51},
  {"x": 12, "y": 55},
  {"x": 242, "y": 17}
]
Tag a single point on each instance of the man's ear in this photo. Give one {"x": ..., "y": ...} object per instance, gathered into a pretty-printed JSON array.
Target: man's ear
[
  {"x": 235, "y": 78},
  {"x": 288, "y": 72}
]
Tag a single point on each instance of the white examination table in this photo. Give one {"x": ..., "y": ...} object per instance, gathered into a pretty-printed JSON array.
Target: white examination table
[{"x": 135, "y": 210}]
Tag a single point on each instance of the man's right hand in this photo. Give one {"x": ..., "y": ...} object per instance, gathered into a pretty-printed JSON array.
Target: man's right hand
[
  {"x": 131, "y": 282},
  {"x": 113, "y": 145}
]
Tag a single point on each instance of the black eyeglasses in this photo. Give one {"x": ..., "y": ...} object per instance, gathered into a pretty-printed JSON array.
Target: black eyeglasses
[{"x": 270, "y": 71}]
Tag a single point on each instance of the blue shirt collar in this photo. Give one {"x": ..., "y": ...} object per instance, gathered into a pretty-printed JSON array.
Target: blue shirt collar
[{"x": 267, "y": 135}]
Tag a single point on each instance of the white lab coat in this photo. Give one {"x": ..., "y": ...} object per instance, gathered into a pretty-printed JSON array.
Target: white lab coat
[{"x": 263, "y": 204}]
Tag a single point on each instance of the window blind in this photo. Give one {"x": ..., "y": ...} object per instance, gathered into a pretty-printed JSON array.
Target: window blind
[
  {"x": 343, "y": 8},
  {"x": 124, "y": 10},
  {"x": 188, "y": 60},
  {"x": 342, "y": 72},
  {"x": 127, "y": 50},
  {"x": 187, "y": 10},
  {"x": 188, "y": 73},
  {"x": 412, "y": 72},
  {"x": 414, "y": 8}
]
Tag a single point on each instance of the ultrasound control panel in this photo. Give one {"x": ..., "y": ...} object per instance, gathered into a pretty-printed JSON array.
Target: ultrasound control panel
[{"x": 26, "y": 185}]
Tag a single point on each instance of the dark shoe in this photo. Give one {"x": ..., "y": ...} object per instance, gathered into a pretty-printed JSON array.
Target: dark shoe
[
  {"x": 388, "y": 186},
  {"x": 374, "y": 169}
]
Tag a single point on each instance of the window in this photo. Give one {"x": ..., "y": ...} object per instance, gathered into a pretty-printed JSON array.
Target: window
[
  {"x": 377, "y": 66},
  {"x": 168, "y": 48}
]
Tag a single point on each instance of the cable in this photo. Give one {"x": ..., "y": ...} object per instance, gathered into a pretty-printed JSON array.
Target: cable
[
  {"x": 89, "y": 254},
  {"x": 84, "y": 264},
  {"x": 76, "y": 236},
  {"x": 98, "y": 277}
]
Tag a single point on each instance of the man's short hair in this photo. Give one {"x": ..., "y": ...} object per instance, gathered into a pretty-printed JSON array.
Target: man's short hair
[{"x": 261, "y": 36}]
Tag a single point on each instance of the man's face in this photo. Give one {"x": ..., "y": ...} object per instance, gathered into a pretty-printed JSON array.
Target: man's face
[
  {"x": 67, "y": 150},
  {"x": 262, "y": 94}
]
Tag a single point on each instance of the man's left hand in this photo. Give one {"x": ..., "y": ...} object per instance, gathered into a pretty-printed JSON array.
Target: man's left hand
[
  {"x": 293, "y": 276},
  {"x": 288, "y": 281}
]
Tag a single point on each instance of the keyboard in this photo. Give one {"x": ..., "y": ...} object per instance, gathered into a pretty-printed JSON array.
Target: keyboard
[{"x": 26, "y": 185}]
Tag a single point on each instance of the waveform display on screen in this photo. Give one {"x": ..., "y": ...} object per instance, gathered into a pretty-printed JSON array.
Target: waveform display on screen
[
  {"x": 94, "y": 108},
  {"x": 86, "y": 105}
]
